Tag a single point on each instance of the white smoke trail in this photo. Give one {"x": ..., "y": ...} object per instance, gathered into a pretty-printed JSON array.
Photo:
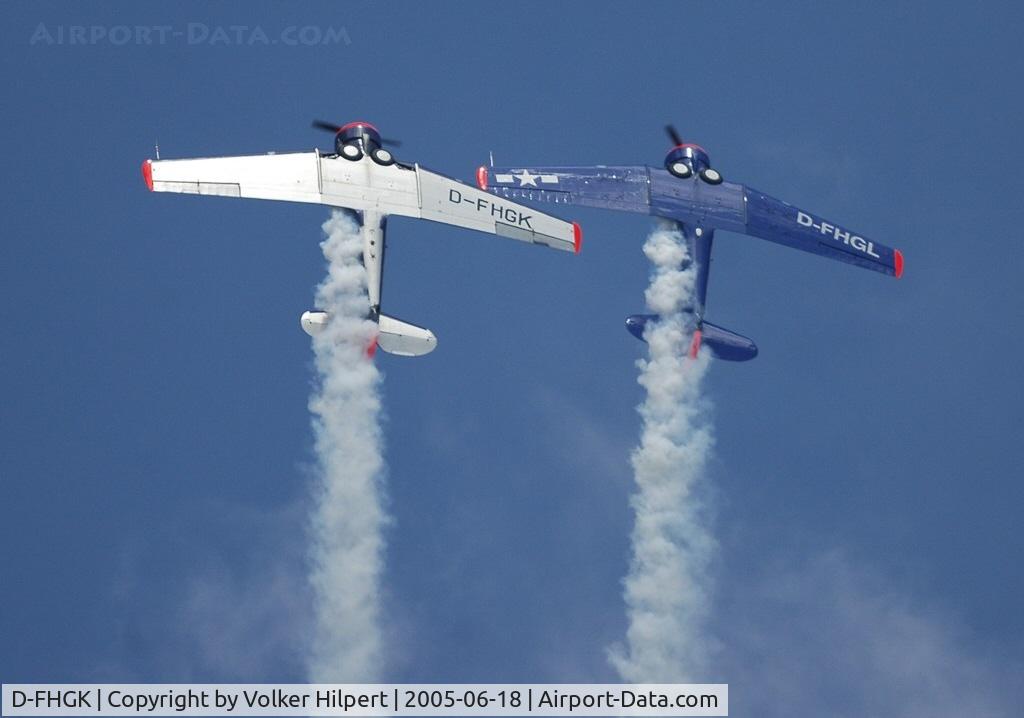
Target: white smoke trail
[
  {"x": 349, "y": 517},
  {"x": 666, "y": 591}
]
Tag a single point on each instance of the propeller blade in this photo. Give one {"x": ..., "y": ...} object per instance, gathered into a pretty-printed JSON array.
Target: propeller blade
[
  {"x": 333, "y": 128},
  {"x": 328, "y": 126},
  {"x": 676, "y": 139}
]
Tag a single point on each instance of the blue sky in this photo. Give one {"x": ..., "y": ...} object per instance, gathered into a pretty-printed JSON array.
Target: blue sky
[{"x": 154, "y": 437}]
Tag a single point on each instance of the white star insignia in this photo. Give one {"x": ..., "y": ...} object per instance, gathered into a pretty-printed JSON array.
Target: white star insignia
[{"x": 525, "y": 178}]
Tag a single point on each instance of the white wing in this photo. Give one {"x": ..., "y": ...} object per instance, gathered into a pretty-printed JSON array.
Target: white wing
[
  {"x": 443, "y": 199},
  {"x": 361, "y": 185}
]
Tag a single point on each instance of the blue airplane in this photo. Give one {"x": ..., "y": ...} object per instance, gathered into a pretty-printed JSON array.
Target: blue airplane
[{"x": 695, "y": 196}]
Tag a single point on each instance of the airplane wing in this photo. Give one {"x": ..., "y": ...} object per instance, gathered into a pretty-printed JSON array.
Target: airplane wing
[
  {"x": 728, "y": 206},
  {"x": 443, "y": 199},
  {"x": 410, "y": 191},
  {"x": 623, "y": 188},
  {"x": 745, "y": 210},
  {"x": 777, "y": 221}
]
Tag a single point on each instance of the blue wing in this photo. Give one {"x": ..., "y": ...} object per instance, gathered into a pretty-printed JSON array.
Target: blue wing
[
  {"x": 727, "y": 206},
  {"x": 626, "y": 189},
  {"x": 738, "y": 208},
  {"x": 778, "y": 221}
]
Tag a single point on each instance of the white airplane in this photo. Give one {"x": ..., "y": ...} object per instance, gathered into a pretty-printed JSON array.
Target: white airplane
[{"x": 364, "y": 177}]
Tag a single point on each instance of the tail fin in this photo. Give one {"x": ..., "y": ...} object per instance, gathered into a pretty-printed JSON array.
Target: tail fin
[{"x": 404, "y": 339}]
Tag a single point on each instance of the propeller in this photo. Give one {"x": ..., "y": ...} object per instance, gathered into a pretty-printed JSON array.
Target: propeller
[
  {"x": 321, "y": 125},
  {"x": 333, "y": 129},
  {"x": 676, "y": 139}
]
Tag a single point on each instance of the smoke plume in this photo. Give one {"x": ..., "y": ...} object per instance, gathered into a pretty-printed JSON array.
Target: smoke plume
[
  {"x": 666, "y": 590},
  {"x": 349, "y": 516}
]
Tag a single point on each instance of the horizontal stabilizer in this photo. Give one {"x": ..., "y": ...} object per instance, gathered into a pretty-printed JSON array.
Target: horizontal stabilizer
[
  {"x": 724, "y": 345},
  {"x": 727, "y": 345},
  {"x": 404, "y": 339}
]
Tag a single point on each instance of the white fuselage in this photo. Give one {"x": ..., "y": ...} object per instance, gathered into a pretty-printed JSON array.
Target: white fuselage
[{"x": 373, "y": 227}]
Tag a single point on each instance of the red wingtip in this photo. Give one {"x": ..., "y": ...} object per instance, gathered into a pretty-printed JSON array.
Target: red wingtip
[
  {"x": 147, "y": 173},
  {"x": 577, "y": 237},
  {"x": 695, "y": 344},
  {"x": 481, "y": 177},
  {"x": 898, "y": 263}
]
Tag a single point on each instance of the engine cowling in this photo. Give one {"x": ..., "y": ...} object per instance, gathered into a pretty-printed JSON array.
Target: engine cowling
[
  {"x": 360, "y": 133},
  {"x": 692, "y": 156},
  {"x": 686, "y": 160},
  {"x": 313, "y": 322}
]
